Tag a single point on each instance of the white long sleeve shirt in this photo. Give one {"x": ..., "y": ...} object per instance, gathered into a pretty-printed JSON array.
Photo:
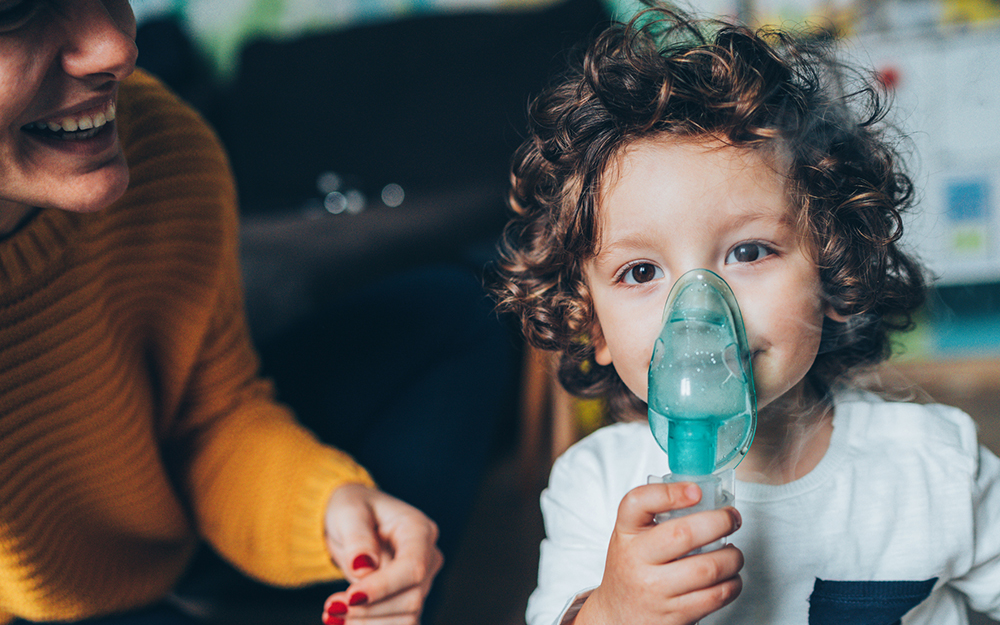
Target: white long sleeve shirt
[{"x": 902, "y": 511}]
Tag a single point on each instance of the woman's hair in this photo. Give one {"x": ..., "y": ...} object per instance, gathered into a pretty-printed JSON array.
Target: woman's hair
[{"x": 664, "y": 74}]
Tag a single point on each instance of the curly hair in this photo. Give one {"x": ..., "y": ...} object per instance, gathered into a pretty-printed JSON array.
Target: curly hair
[{"x": 666, "y": 74}]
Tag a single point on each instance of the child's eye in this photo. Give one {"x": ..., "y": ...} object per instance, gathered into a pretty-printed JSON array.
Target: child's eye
[
  {"x": 641, "y": 273},
  {"x": 16, "y": 13},
  {"x": 747, "y": 253}
]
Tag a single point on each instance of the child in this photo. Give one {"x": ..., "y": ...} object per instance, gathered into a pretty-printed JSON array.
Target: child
[{"x": 666, "y": 149}]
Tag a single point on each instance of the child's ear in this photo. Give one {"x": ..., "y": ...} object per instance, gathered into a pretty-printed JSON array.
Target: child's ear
[{"x": 602, "y": 355}]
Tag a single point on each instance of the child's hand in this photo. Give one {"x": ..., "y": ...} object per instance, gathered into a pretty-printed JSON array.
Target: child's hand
[{"x": 646, "y": 579}]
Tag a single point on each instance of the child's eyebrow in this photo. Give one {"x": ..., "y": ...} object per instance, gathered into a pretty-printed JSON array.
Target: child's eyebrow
[
  {"x": 629, "y": 242},
  {"x": 734, "y": 220},
  {"x": 737, "y": 221},
  {"x": 750, "y": 217}
]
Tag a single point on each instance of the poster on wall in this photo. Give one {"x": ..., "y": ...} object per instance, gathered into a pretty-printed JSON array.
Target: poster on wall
[{"x": 945, "y": 87}]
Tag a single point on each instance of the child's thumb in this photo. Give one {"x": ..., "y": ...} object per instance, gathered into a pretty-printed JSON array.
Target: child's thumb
[{"x": 639, "y": 507}]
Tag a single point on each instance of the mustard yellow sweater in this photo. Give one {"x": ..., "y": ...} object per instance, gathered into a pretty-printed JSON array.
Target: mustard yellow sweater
[{"x": 132, "y": 420}]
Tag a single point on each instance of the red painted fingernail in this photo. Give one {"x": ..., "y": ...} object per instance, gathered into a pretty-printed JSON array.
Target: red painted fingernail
[
  {"x": 358, "y": 598},
  {"x": 337, "y": 607},
  {"x": 332, "y": 620},
  {"x": 363, "y": 562}
]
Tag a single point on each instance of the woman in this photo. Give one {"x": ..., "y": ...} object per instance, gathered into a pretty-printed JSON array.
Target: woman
[{"x": 132, "y": 419}]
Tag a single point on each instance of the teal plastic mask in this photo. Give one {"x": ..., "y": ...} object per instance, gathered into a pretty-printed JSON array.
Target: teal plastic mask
[{"x": 702, "y": 403}]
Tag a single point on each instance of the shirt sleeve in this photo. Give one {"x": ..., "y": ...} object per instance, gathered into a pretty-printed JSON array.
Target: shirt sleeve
[
  {"x": 981, "y": 584},
  {"x": 579, "y": 515}
]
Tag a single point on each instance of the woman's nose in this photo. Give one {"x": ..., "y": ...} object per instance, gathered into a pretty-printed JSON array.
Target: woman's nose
[{"x": 100, "y": 39}]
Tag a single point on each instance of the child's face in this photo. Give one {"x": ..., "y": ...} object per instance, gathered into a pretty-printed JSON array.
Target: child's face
[{"x": 670, "y": 206}]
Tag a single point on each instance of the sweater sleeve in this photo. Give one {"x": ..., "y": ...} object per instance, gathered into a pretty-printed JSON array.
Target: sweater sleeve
[{"x": 257, "y": 483}]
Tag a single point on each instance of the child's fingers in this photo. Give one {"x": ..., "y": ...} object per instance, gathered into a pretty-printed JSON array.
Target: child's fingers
[
  {"x": 691, "y": 588},
  {"x": 672, "y": 539},
  {"x": 699, "y": 603},
  {"x": 681, "y": 591},
  {"x": 640, "y": 505},
  {"x": 706, "y": 570}
]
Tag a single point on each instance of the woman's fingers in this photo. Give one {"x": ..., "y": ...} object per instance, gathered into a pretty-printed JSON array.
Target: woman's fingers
[
  {"x": 403, "y": 608},
  {"x": 391, "y": 549},
  {"x": 352, "y": 531}
]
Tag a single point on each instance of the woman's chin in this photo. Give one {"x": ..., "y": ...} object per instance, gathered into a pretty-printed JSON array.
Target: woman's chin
[{"x": 97, "y": 195}]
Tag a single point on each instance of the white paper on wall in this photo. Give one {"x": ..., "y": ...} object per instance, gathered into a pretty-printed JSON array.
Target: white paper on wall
[{"x": 947, "y": 100}]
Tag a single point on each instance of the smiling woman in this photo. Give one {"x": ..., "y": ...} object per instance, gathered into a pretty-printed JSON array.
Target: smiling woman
[{"x": 133, "y": 422}]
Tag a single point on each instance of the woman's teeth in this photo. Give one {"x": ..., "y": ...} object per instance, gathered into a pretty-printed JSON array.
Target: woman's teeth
[{"x": 82, "y": 127}]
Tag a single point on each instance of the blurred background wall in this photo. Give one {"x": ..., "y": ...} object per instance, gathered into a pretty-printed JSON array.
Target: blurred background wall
[{"x": 428, "y": 95}]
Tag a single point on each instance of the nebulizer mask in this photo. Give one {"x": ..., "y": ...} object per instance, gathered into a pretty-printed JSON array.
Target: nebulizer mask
[{"x": 702, "y": 404}]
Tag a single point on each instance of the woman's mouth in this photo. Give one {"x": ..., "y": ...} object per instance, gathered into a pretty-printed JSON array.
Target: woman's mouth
[{"x": 74, "y": 127}]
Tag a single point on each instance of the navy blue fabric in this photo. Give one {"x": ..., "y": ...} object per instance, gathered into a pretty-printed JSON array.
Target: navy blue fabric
[{"x": 865, "y": 603}]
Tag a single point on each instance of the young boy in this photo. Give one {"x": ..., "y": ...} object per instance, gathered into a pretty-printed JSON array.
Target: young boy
[{"x": 666, "y": 149}]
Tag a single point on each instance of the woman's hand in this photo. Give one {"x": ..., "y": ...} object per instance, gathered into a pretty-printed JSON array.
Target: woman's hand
[
  {"x": 646, "y": 578},
  {"x": 386, "y": 549}
]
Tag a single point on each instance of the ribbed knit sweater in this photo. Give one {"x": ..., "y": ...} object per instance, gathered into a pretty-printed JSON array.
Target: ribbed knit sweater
[{"x": 132, "y": 420}]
